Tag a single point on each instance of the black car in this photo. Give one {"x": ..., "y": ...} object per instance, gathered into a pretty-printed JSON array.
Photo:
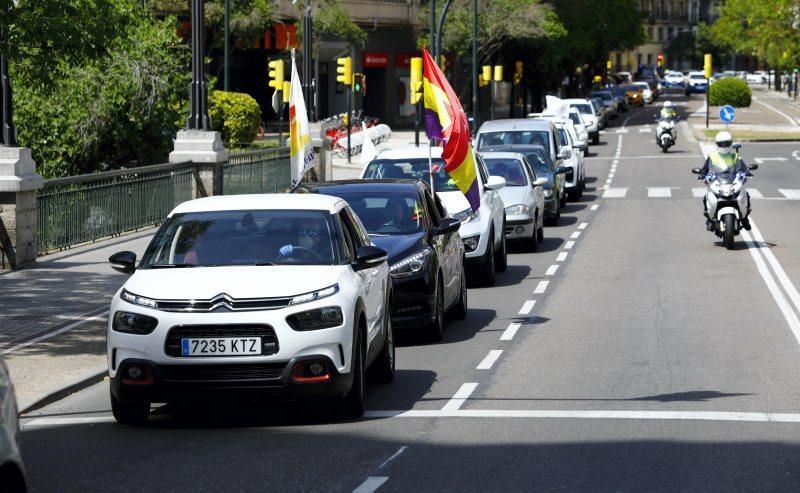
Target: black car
[
  {"x": 426, "y": 254},
  {"x": 608, "y": 101}
]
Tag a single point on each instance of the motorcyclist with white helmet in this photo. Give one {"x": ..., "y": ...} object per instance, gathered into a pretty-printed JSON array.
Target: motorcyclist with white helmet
[
  {"x": 724, "y": 158},
  {"x": 668, "y": 111}
]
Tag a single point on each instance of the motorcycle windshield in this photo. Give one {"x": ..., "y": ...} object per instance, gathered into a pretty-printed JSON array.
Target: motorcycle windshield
[{"x": 724, "y": 176}]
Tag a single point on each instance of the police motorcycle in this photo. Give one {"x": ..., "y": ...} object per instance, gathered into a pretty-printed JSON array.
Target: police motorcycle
[
  {"x": 665, "y": 132},
  {"x": 726, "y": 201}
]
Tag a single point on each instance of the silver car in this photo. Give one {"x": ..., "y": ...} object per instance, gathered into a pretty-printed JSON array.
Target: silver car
[
  {"x": 523, "y": 196},
  {"x": 12, "y": 472}
]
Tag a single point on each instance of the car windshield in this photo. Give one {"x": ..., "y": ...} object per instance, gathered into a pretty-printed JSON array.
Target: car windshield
[
  {"x": 538, "y": 161},
  {"x": 512, "y": 137},
  {"x": 576, "y": 119},
  {"x": 387, "y": 213},
  {"x": 584, "y": 108},
  {"x": 508, "y": 168},
  {"x": 257, "y": 237},
  {"x": 697, "y": 76},
  {"x": 605, "y": 96},
  {"x": 412, "y": 169}
]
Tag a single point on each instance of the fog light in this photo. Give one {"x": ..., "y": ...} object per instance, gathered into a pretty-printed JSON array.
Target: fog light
[
  {"x": 135, "y": 372},
  {"x": 310, "y": 372},
  {"x": 137, "y": 375},
  {"x": 519, "y": 230},
  {"x": 316, "y": 369}
]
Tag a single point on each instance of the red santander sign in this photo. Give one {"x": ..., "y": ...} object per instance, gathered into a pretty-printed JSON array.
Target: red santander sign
[{"x": 375, "y": 59}]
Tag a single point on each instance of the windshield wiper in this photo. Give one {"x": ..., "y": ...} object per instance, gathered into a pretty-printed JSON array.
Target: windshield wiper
[{"x": 169, "y": 266}]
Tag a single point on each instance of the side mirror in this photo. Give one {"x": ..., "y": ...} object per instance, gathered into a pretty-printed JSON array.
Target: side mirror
[
  {"x": 124, "y": 262},
  {"x": 696, "y": 171},
  {"x": 737, "y": 146},
  {"x": 752, "y": 167},
  {"x": 369, "y": 256},
  {"x": 564, "y": 153},
  {"x": 561, "y": 170},
  {"x": 580, "y": 146},
  {"x": 540, "y": 182},
  {"x": 448, "y": 225},
  {"x": 495, "y": 182}
]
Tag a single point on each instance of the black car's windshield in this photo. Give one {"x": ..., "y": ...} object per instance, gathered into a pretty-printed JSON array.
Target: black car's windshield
[
  {"x": 257, "y": 237},
  {"x": 605, "y": 96},
  {"x": 508, "y": 168},
  {"x": 512, "y": 137},
  {"x": 387, "y": 213},
  {"x": 412, "y": 169}
]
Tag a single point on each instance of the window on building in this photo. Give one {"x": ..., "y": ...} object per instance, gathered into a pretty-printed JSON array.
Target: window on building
[
  {"x": 649, "y": 58},
  {"x": 661, "y": 34}
]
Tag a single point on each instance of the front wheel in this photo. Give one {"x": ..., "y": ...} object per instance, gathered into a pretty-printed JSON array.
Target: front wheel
[
  {"x": 729, "y": 223},
  {"x": 382, "y": 370},
  {"x": 436, "y": 329},
  {"x": 130, "y": 412},
  {"x": 353, "y": 403},
  {"x": 460, "y": 310},
  {"x": 502, "y": 256},
  {"x": 487, "y": 268}
]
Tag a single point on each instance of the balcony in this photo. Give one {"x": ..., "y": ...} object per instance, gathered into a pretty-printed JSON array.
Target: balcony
[{"x": 665, "y": 16}]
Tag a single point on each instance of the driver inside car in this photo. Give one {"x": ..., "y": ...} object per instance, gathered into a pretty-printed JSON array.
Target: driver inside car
[{"x": 309, "y": 232}]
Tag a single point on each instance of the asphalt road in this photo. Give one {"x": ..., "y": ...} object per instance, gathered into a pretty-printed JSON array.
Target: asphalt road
[{"x": 631, "y": 353}]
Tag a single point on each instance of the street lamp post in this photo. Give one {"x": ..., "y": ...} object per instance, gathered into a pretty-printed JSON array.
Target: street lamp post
[
  {"x": 9, "y": 133},
  {"x": 227, "y": 45},
  {"x": 198, "y": 94},
  {"x": 475, "y": 119}
]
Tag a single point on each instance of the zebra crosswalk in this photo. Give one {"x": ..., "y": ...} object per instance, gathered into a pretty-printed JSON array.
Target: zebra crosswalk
[{"x": 696, "y": 192}]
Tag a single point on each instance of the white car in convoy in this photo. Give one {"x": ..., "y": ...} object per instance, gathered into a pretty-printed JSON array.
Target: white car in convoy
[
  {"x": 523, "y": 196},
  {"x": 580, "y": 128},
  {"x": 674, "y": 79},
  {"x": 482, "y": 231},
  {"x": 252, "y": 296},
  {"x": 647, "y": 93},
  {"x": 572, "y": 160},
  {"x": 590, "y": 117}
]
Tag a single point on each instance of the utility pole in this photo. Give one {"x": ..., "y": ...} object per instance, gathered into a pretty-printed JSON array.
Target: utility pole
[
  {"x": 227, "y": 46},
  {"x": 475, "y": 109},
  {"x": 198, "y": 95},
  {"x": 308, "y": 63}
]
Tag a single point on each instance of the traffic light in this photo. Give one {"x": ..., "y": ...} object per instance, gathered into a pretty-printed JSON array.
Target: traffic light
[
  {"x": 287, "y": 87},
  {"x": 609, "y": 65},
  {"x": 344, "y": 71},
  {"x": 276, "y": 74},
  {"x": 660, "y": 60},
  {"x": 518, "y": 68},
  {"x": 498, "y": 73},
  {"x": 707, "y": 69},
  {"x": 359, "y": 83},
  {"x": 416, "y": 79}
]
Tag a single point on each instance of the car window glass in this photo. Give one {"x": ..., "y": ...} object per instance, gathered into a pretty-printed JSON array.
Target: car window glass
[
  {"x": 412, "y": 169},
  {"x": 484, "y": 173},
  {"x": 529, "y": 169},
  {"x": 508, "y": 168},
  {"x": 512, "y": 137},
  {"x": 358, "y": 226},
  {"x": 347, "y": 237},
  {"x": 433, "y": 214},
  {"x": 384, "y": 213},
  {"x": 352, "y": 230},
  {"x": 584, "y": 108}
]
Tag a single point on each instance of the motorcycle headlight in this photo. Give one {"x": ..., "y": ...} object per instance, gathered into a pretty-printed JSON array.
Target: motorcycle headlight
[
  {"x": 315, "y": 295},
  {"x": 321, "y": 318},
  {"x": 138, "y": 300},
  {"x": 471, "y": 243},
  {"x": 411, "y": 265},
  {"x": 517, "y": 209},
  {"x": 726, "y": 190},
  {"x": 466, "y": 215}
]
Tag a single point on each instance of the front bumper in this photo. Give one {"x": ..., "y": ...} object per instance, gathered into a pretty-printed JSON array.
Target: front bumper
[
  {"x": 696, "y": 89},
  {"x": 413, "y": 301},
  {"x": 477, "y": 228},
  {"x": 519, "y": 226},
  {"x": 550, "y": 206}
]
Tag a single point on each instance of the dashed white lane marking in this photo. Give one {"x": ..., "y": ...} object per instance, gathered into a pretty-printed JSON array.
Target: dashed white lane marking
[
  {"x": 461, "y": 395},
  {"x": 614, "y": 163},
  {"x": 622, "y": 130},
  {"x": 575, "y": 235},
  {"x": 527, "y": 307},
  {"x": 743, "y": 417},
  {"x": 790, "y": 194},
  {"x": 396, "y": 455},
  {"x": 371, "y": 484},
  {"x": 583, "y": 225},
  {"x": 489, "y": 360},
  {"x": 568, "y": 245},
  {"x": 608, "y": 181},
  {"x": 594, "y": 207},
  {"x": 656, "y": 192},
  {"x": 755, "y": 193},
  {"x": 551, "y": 270},
  {"x": 610, "y": 176},
  {"x": 615, "y": 193},
  {"x": 541, "y": 287},
  {"x": 562, "y": 257},
  {"x": 645, "y": 130},
  {"x": 699, "y": 193},
  {"x": 510, "y": 332}
]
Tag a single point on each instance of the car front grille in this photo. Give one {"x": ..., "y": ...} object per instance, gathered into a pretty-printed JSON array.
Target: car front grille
[
  {"x": 222, "y": 372},
  {"x": 223, "y": 302},
  {"x": 269, "y": 340}
]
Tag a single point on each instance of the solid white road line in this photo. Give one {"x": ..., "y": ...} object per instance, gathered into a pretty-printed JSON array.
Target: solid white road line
[
  {"x": 461, "y": 395},
  {"x": 790, "y": 194},
  {"x": 787, "y": 284},
  {"x": 659, "y": 192},
  {"x": 615, "y": 193},
  {"x": 777, "y": 295},
  {"x": 551, "y": 270},
  {"x": 527, "y": 307},
  {"x": 637, "y": 158},
  {"x": 583, "y": 225},
  {"x": 541, "y": 287},
  {"x": 489, "y": 360},
  {"x": 371, "y": 484},
  {"x": 561, "y": 257},
  {"x": 568, "y": 245},
  {"x": 740, "y": 417},
  {"x": 791, "y": 120},
  {"x": 575, "y": 235},
  {"x": 396, "y": 455},
  {"x": 594, "y": 207},
  {"x": 85, "y": 318},
  {"x": 510, "y": 332}
]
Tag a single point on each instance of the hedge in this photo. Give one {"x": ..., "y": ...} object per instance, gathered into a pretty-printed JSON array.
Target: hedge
[
  {"x": 236, "y": 115},
  {"x": 730, "y": 90}
]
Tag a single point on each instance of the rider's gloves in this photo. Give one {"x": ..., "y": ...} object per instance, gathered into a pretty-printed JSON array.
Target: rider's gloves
[
  {"x": 742, "y": 175},
  {"x": 286, "y": 250}
]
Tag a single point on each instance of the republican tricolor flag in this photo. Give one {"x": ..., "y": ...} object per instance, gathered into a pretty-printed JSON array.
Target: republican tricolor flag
[
  {"x": 446, "y": 121},
  {"x": 301, "y": 153}
]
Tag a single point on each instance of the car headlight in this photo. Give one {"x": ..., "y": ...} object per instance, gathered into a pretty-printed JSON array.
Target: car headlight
[
  {"x": 548, "y": 194},
  {"x": 466, "y": 215},
  {"x": 471, "y": 243},
  {"x": 315, "y": 295},
  {"x": 517, "y": 209},
  {"x": 411, "y": 265},
  {"x": 138, "y": 300},
  {"x": 133, "y": 323},
  {"x": 320, "y": 318}
]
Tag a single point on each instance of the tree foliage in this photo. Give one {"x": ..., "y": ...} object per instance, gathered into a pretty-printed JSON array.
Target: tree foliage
[
  {"x": 331, "y": 18},
  {"x": 119, "y": 108},
  {"x": 236, "y": 115},
  {"x": 249, "y": 19},
  {"x": 730, "y": 90}
]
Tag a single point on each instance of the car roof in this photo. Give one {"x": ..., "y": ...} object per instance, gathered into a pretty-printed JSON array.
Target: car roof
[
  {"x": 516, "y": 124},
  {"x": 410, "y": 152},
  {"x": 380, "y": 185},
  {"x": 262, "y": 201},
  {"x": 514, "y": 147},
  {"x": 577, "y": 101},
  {"x": 490, "y": 154}
]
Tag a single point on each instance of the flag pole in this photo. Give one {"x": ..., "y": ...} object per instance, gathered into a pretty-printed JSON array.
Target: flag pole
[{"x": 430, "y": 163}]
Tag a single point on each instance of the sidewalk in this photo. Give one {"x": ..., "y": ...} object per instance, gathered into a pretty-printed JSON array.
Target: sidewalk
[{"x": 342, "y": 170}]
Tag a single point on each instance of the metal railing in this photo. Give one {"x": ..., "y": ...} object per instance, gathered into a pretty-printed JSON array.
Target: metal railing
[
  {"x": 80, "y": 209},
  {"x": 262, "y": 171}
]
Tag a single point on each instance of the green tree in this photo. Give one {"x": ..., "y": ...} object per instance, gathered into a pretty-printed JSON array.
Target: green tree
[
  {"x": 332, "y": 19},
  {"x": 249, "y": 19}
]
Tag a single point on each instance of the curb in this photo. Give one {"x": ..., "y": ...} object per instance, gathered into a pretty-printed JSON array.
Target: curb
[{"x": 65, "y": 391}]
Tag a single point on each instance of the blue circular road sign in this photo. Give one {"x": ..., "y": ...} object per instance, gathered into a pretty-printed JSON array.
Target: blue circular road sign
[{"x": 727, "y": 114}]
